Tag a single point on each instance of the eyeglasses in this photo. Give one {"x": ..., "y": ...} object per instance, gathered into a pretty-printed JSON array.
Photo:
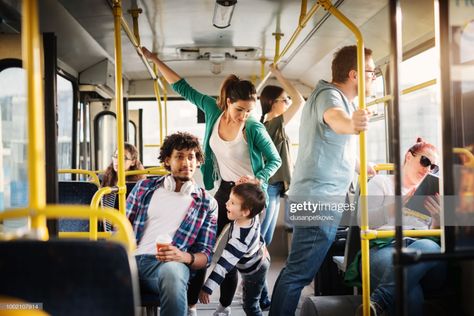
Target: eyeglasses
[
  {"x": 286, "y": 100},
  {"x": 426, "y": 162},
  {"x": 116, "y": 157},
  {"x": 374, "y": 73}
]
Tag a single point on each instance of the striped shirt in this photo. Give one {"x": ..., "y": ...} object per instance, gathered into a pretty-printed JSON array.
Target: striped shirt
[
  {"x": 197, "y": 232},
  {"x": 108, "y": 200},
  {"x": 244, "y": 250}
]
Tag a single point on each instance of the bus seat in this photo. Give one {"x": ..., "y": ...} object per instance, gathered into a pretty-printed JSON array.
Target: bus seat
[
  {"x": 341, "y": 305},
  {"x": 353, "y": 243},
  {"x": 75, "y": 192},
  {"x": 70, "y": 277}
]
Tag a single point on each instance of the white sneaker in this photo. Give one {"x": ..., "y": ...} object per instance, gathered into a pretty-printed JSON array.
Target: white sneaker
[
  {"x": 222, "y": 311},
  {"x": 192, "y": 311}
]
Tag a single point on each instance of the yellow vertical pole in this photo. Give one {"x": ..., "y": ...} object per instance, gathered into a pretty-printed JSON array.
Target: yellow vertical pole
[
  {"x": 135, "y": 13},
  {"x": 117, "y": 9},
  {"x": 158, "y": 102},
  {"x": 363, "y": 153},
  {"x": 262, "y": 67},
  {"x": 31, "y": 55},
  {"x": 165, "y": 102},
  {"x": 278, "y": 37}
]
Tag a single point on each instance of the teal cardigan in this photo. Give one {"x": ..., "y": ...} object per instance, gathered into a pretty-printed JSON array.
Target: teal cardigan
[{"x": 264, "y": 157}]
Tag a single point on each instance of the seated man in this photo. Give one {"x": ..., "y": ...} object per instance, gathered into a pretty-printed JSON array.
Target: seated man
[{"x": 173, "y": 205}]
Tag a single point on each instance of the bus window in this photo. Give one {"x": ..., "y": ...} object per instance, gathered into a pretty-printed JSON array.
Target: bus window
[
  {"x": 106, "y": 139},
  {"x": 65, "y": 107},
  {"x": 420, "y": 109},
  {"x": 377, "y": 133},
  {"x": 14, "y": 134},
  {"x": 184, "y": 120},
  {"x": 132, "y": 133}
]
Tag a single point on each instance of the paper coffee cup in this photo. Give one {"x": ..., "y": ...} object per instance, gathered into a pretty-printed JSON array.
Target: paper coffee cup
[{"x": 162, "y": 241}]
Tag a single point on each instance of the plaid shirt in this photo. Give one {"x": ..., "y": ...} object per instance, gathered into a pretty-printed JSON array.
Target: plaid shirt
[{"x": 197, "y": 232}]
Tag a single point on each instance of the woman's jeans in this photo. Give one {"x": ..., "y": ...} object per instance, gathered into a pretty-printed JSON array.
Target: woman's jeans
[
  {"x": 253, "y": 285},
  {"x": 169, "y": 280},
  {"x": 428, "y": 275},
  {"x": 271, "y": 213}
]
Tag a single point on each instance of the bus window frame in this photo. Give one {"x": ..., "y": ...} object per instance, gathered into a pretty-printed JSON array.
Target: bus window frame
[{"x": 75, "y": 112}]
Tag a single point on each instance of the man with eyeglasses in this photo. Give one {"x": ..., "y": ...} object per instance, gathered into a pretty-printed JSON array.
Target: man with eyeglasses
[{"x": 323, "y": 171}]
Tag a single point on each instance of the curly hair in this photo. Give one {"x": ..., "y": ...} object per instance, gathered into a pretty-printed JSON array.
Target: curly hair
[{"x": 180, "y": 141}]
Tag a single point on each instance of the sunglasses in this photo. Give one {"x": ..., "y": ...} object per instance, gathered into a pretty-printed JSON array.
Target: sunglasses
[
  {"x": 426, "y": 162},
  {"x": 286, "y": 100}
]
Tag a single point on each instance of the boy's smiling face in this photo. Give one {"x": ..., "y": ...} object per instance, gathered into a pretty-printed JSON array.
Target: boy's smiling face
[{"x": 234, "y": 208}]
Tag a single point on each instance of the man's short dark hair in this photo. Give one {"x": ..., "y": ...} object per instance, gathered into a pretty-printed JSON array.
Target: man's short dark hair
[
  {"x": 252, "y": 196},
  {"x": 180, "y": 141},
  {"x": 345, "y": 60}
]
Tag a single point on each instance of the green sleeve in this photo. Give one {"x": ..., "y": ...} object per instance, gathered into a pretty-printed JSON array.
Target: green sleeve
[
  {"x": 202, "y": 101},
  {"x": 272, "y": 159}
]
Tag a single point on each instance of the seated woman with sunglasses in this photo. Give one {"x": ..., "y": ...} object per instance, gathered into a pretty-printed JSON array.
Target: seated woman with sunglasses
[{"x": 419, "y": 160}]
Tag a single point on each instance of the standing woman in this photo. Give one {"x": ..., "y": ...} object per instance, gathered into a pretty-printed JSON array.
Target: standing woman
[
  {"x": 275, "y": 106},
  {"x": 237, "y": 149}
]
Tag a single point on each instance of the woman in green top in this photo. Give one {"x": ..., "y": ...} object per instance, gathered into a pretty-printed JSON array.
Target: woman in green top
[
  {"x": 276, "y": 114},
  {"x": 237, "y": 149}
]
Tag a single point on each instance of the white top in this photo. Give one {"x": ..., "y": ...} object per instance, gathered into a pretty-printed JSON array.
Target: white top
[
  {"x": 166, "y": 211},
  {"x": 233, "y": 156},
  {"x": 381, "y": 195}
]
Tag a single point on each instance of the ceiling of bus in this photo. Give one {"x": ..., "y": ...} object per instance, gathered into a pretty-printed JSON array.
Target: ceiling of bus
[{"x": 85, "y": 33}]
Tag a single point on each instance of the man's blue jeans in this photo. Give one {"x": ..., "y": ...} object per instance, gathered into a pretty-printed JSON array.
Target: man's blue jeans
[
  {"x": 169, "y": 280},
  {"x": 271, "y": 213},
  {"x": 428, "y": 275},
  {"x": 309, "y": 247},
  {"x": 252, "y": 288}
]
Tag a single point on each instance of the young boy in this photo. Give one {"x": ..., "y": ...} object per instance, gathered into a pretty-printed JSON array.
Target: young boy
[{"x": 245, "y": 248}]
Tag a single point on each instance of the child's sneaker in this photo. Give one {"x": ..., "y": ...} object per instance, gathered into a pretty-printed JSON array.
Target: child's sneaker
[
  {"x": 222, "y": 311},
  {"x": 265, "y": 304}
]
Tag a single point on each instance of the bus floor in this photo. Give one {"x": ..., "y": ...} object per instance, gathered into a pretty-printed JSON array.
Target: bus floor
[{"x": 276, "y": 265}]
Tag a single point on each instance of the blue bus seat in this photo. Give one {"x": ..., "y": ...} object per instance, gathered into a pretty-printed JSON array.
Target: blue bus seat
[
  {"x": 75, "y": 192},
  {"x": 70, "y": 277}
]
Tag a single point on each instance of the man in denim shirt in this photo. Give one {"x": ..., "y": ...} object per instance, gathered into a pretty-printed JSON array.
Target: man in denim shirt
[
  {"x": 175, "y": 206},
  {"x": 323, "y": 170}
]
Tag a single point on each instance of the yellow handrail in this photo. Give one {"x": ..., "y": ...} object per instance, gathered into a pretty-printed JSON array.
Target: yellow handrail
[
  {"x": 304, "y": 18},
  {"x": 31, "y": 56},
  {"x": 362, "y": 149},
  {"x": 91, "y": 174},
  {"x": 467, "y": 153},
  {"x": 124, "y": 233},
  {"x": 384, "y": 166},
  {"x": 408, "y": 90},
  {"x": 156, "y": 89},
  {"x": 376, "y": 234},
  {"x": 153, "y": 170},
  {"x": 95, "y": 202},
  {"x": 117, "y": 10},
  {"x": 135, "y": 40},
  {"x": 165, "y": 102}
]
